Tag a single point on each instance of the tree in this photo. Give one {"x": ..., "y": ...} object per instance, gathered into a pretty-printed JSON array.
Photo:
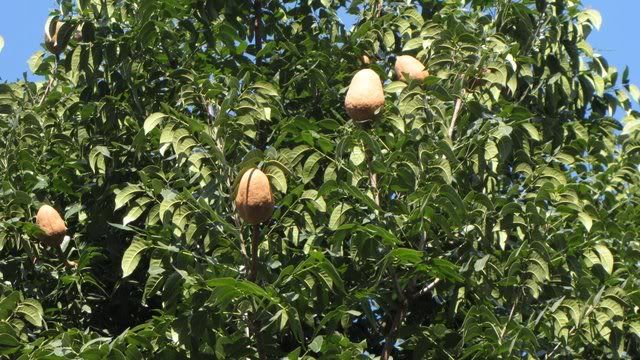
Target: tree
[{"x": 488, "y": 211}]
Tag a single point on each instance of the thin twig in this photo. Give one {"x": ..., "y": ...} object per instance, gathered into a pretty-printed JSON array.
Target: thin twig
[
  {"x": 428, "y": 287},
  {"x": 243, "y": 251},
  {"x": 69, "y": 264},
  {"x": 46, "y": 92},
  {"x": 456, "y": 112},
  {"x": 50, "y": 84},
  {"x": 504, "y": 329},
  {"x": 550, "y": 356},
  {"x": 423, "y": 242}
]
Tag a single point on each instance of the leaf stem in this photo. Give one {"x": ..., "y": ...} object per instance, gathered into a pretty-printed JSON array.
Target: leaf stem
[
  {"x": 373, "y": 178},
  {"x": 454, "y": 118}
]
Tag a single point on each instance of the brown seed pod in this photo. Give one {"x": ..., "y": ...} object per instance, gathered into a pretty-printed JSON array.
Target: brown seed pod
[
  {"x": 52, "y": 224},
  {"x": 406, "y": 64},
  {"x": 365, "y": 60},
  {"x": 254, "y": 199},
  {"x": 365, "y": 96}
]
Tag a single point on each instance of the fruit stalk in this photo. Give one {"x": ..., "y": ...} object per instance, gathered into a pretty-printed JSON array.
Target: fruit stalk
[
  {"x": 255, "y": 241},
  {"x": 252, "y": 276}
]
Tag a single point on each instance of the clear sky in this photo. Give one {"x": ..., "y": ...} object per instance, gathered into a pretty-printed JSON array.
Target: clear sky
[{"x": 22, "y": 26}]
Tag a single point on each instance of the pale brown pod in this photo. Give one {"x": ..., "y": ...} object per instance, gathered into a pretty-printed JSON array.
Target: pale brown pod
[
  {"x": 365, "y": 96},
  {"x": 52, "y": 225},
  {"x": 406, "y": 64},
  {"x": 254, "y": 200}
]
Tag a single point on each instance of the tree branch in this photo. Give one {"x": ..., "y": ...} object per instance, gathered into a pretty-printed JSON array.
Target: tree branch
[
  {"x": 257, "y": 28},
  {"x": 398, "y": 318}
]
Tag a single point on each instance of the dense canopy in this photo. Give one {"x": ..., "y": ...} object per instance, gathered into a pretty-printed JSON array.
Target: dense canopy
[{"x": 489, "y": 210}]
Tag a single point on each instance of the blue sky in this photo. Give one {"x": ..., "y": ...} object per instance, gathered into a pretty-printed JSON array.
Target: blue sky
[{"x": 22, "y": 26}]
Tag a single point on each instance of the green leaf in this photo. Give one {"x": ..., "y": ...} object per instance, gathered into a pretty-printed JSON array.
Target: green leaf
[
  {"x": 631, "y": 126},
  {"x": 155, "y": 278},
  {"x": 389, "y": 39},
  {"x": 593, "y": 16},
  {"x": 634, "y": 326},
  {"x": 278, "y": 178},
  {"x": 586, "y": 220},
  {"x": 82, "y": 5},
  {"x": 357, "y": 156},
  {"x": 97, "y": 158},
  {"x": 311, "y": 167},
  {"x": 338, "y": 215},
  {"x": 395, "y": 87},
  {"x": 606, "y": 258},
  {"x": 406, "y": 256},
  {"x": 412, "y": 44},
  {"x": 132, "y": 256},
  {"x": 8, "y": 341},
  {"x": 635, "y": 93},
  {"x": 35, "y": 61},
  {"x": 137, "y": 210},
  {"x": 359, "y": 195},
  {"x": 266, "y": 88},
  {"x": 316, "y": 344},
  {"x": 32, "y": 311},
  {"x": 125, "y": 195},
  {"x": 532, "y": 131},
  {"x": 152, "y": 121}
]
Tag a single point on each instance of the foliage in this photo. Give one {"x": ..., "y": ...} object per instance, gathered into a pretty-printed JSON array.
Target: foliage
[{"x": 505, "y": 230}]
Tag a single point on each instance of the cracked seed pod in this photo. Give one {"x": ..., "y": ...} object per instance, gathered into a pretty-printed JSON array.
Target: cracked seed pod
[
  {"x": 365, "y": 96},
  {"x": 406, "y": 64},
  {"x": 52, "y": 40},
  {"x": 254, "y": 200},
  {"x": 52, "y": 224}
]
